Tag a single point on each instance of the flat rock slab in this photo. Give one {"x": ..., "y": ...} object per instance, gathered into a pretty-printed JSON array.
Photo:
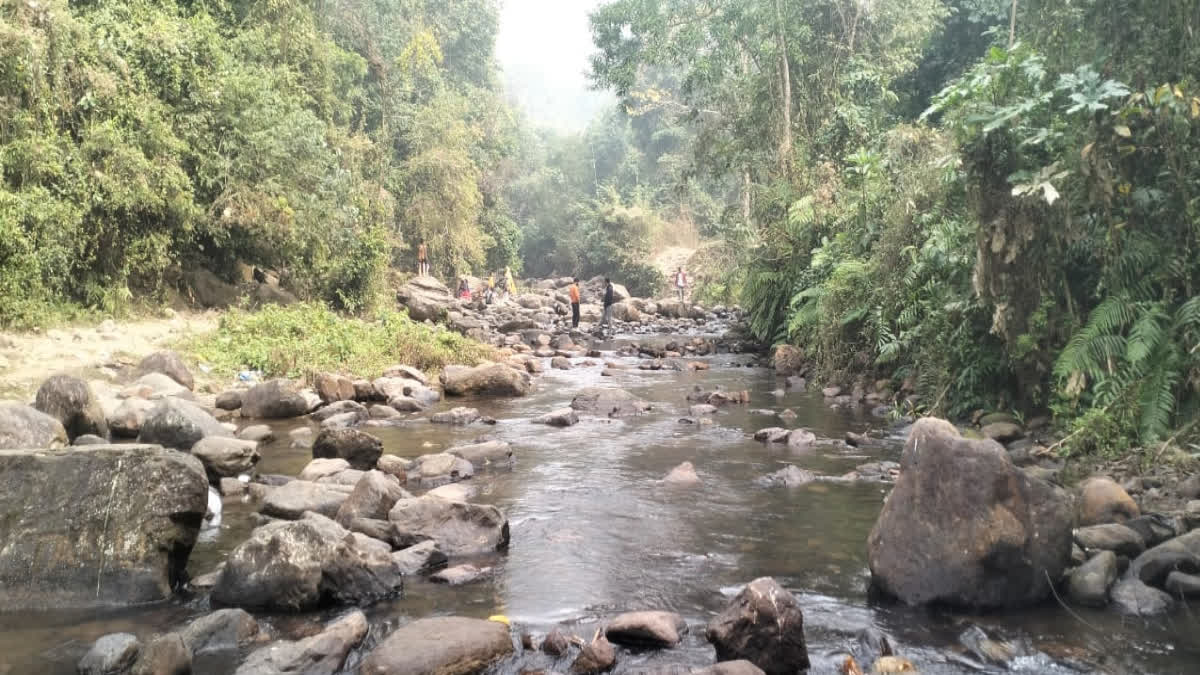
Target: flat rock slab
[
  {"x": 321, "y": 654},
  {"x": 458, "y": 527},
  {"x": 291, "y": 500},
  {"x": 448, "y": 645},
  {"x": 647, "y": 629},
  {"x": 96, "y": 526}
]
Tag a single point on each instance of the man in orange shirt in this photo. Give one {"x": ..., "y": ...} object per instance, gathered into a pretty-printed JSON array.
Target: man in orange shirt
[{"x": 573, "y": 290}]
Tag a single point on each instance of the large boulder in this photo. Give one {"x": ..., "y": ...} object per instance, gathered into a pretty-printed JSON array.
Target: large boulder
[
  {"x": 625, "y": 311},
  {"x": 486, "y": 453},
  {"x": 458, "y": 527},
  {"x": 373, "y": 497},
  {"x": 97, "y": 526},
  {"x": 1089, "y": 583},
  {"x": 321, "y": 654},
  {"x": 441, "y": 468},
  {"x": 292, "y": 499},
  {"x": 275, "y": 399},
  {"x": 460, "y": 416},
  {"x": 426, "y": 298},
  {"x": 168, "y": 363},
  {"x": 223, "y": 629},
  {"x": 110, "y": 655},
  {"x": 303, "y": 565},
  {"x": 965, "y": 527},
  {"x": 789, "y": 360},
  {"x": 646, "y": 629},
  {"x": 226, "y": 457},
  {"x": 608, "y": 402},
  {"x": 1101, "y": 501},
  {"x": 22, "y": 427},
  {"x": 1179, "y": 554},
  {"x": 496, "y": 379},
  {"x": 360, "y": 449},
  {"x": 763, "y": 625},
  {"x": 445, "y": 645},
  {"x": 332, "y": 387},
  {"x": 173, "y": 423},
  {"x": 678, "y": 309},
  {"x": 127, "y": 418},
  {"x": 70, "y": 400}
]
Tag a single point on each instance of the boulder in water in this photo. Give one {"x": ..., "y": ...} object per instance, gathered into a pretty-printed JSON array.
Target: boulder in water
[
  {"x": 113, "y": 525},
  {"x": 1131, "y": 596},
  {"x": 562, "y": 417},
  {"x": 224, "y": 629},
  {"x": 493, "y": 379},
  {"x": 24, "y": 428},
  {"x": 1089, "y": 583},
  {"x": 763, "y": 625},
  {"x": 112, "y": 654},
  {"x": 684, "y": 474},
  {"x": 224, "y": 457},
  {"x": 360, "y": 449},
  {"x": 444, "y": 644},
  {"x": 276, "y": 399},
  {"x": 418, "y": 558},
  {"x": 460, "y": 416},
  {"x": 71, "y": 401},
  {"x": 321, "y": 654},
  {"x": 789, "y": 476},
  {"x": 373, "y": 497},
  {"x": 609, "y": 402},
  {"x": 290, "y": 500},
  {"x": 179, "y": 424},
  {"x": 1101, "y": 501},
  {"x": 168, "y": 363},
  {"x": 303, "y": 565},
  {"x": 486, "y": 453},
  {"x": 597, "y": 656},
  {"x": 646, "y": 629},
  {"x": 458, "y": 527},
  {"x": 965, "y": 527}
]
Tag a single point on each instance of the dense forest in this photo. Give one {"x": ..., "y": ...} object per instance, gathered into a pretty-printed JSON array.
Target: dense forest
[{"x": 994, "y": 202}]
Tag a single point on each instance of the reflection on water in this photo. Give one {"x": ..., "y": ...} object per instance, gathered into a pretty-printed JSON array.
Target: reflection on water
[{"x": 595, "y": 532}]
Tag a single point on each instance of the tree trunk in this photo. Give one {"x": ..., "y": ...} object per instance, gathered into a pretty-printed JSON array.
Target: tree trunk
[
  {"x": 785, "y": 87},
  {"x": 1012, "y": 25},
  {"x": 746, "y": 195}
]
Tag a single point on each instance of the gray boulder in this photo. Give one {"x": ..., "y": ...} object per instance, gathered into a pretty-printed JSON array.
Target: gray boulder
[
  {"x": 562, "y": 417},
  {"x": 127, "y": 419},
  {"x": 303, "y": 565},
  {"x": 114, "y": 525},
  {"x": 339, "y": 408},
  {"x": 448, "y": 645},
  {"x": 1131, "y": 596},
  {"x": 70, "y": 400},
  {"x": 221, "y": 630},
  {"x": 1179, "y": 554},
  {"x": 168, "y": 363},
  {"x": 112, "y": 654},
  {"x": 441, "y": 468},
  {"x": 373, "y": 497},
  {"x": 484, "y": 454},
  {"x": 275, "y": 399},
  {"x": 229, "y": 400},
  {"x": 460, "y": 416},
  {"x": 22, "y": 427},
  {"x": 763, "y": 625},
  {"x": 646, "y": 629},
  {"x": 609, "y": 402},
  {"x": 173, "y": 423},
  {"x": 165, "y": 655},
  {"x": 1110, "y": 537},
  {"x": 458, "y": 527},
  {"x": 322, "y": 654},
  {"x": 425, "y": 298},
  {"x": 492, "y": 379},
  {"x": 290, "y": 500},
  {"x": 226, "y": 457},
  {"x": 422, "y": 557},
  {"x": 360, "y": 449},
  {"x": 1089, "y": 583},
  {"x": 965, "y": 527}
]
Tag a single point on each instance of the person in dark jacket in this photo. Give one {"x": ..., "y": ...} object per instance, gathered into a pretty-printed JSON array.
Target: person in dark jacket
[{"x": 608, "y": 302}]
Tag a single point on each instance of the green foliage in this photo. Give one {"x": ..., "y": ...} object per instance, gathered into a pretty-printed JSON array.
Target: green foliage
[{"x": 304, "y": 339}]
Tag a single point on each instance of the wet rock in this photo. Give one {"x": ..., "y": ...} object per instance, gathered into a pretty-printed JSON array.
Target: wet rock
[
  {"x": 332, "y": 387},
  {"x": 113, "y": 525},
  {"x": 373, "y": 497},
  {"x": 275, "y": 399},
  {"x": 702, "y": 410},
  {"x": 301, "y": 437},
  {"x": 1103, "y": 501},
  {"x": 1155, "y": 528},
  {"x": 789, "y": 476},
  {"x": 684, "y": 474},
  {"x": 460, "y": 416},
  {"x": 303, "y": 565},
  {"x": 892, "y": 664},
  {"x": 418, "y": 558},
  {"x": 226, "y": 457},
  {"x": 173, "y": 423},
  {"x": 319, "y": 469},
  {"x": 1131, "y": 596},
  {"x": 598, "y": 656},
  {"x": 360, "y": 449},
  {"x": 168, "y": 363},
  {"x": 959, "y": 488},
  {"x": 608, "y": 402},
  {"x": 763, "y": 625},
  {"x": 1179, "y": 554},
  {"x": 871, "y": 644},
  {"x": 560, "y": 363},
  {"x": 71, "y": 401},
  {"x": 739, "y": 667},
  {"x": 788, "y": 361},
  {"x": 484, "y": 454},
  {"x": 384, "y": 412},
  {"x": 1189, "y": 488},
  {"x": 772, "y": 435},
  {"x": 562, "y": 417},
  {"x": 987, "y": 650},
  {"x": 339, "y": 408},
  {"x": 1002, "y": 432},
  {"x": 232, "y": 487},
  {"x": 110, "y": 655},
  {"x": 458, "y": 527},
  {"x": 439, "y": 469},
  {"x": 229, "y": 400},
  {"x": 495, "y": 379},
  {"x": 556, "y": 643},
  {"x": 801, "y": 440},
  {"x": 1111, "y": 537},
  {"x": 646, "y": 629},
  {"x": 1089, "y": 583},
  {"x": 291, "y": 500},
  {"x": 856, "y": 440},
  {"x": 321, "y": 654},
  {"x": 446, "y": 644},
  {"x": 460, "y": 575},
  {"x": 127, "y": 419},
  {"x": 1180, "y": 584},
  {"x": 88, "y": 439},
  {"x": 394, "y": 466},
  {"x": 165, "y": 655}
]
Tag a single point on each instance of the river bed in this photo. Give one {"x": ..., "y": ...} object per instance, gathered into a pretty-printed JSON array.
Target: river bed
[{"x": 595, "y": 533}]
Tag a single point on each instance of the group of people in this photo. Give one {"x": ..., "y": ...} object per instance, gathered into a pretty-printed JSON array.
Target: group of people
[{"x": 509, "y": 287}]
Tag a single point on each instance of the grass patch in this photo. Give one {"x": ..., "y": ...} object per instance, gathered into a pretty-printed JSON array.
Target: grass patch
[{"x": 308, "y": 338}]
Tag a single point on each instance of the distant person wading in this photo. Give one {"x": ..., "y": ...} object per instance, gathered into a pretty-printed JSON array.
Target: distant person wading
[
  {"x": 608, "y": 302},
  {"x": 573, "y": 291}
]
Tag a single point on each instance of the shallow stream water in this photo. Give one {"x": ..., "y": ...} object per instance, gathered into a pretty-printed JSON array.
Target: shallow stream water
[{"x": 595, "y": 532}]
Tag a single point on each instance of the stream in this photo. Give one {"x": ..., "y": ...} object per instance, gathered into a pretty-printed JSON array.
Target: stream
[{"x": 595, "y": 533}]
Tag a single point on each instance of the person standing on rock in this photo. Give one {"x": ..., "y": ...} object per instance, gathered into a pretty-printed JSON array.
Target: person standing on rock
[
  {"x": 681, "y": 283},
  {"x": 573, "y": 291},
  {"x": 422, "y": 259},
  {"x": 608, "y": 302},
  {"x": 510, "y": 286}
]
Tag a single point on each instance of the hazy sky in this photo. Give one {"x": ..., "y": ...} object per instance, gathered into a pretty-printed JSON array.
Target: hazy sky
[{"x": 543, "y": 48}]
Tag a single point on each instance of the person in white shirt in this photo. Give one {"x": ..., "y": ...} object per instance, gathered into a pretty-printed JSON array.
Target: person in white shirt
[{"x": 681, "y": 283}]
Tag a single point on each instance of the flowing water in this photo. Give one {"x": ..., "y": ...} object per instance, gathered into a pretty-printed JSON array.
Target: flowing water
[{"x": 595, "y": 532}]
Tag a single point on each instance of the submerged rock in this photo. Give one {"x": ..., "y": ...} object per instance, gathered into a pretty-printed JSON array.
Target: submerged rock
[
  {"x": 113, "y": 525},
  {"x": 965, "y": 527},
  {"x": 460, "y": 574},
  {"x": 597, "y": 656},
  {"x": 763, "y": 625},
  {"x": 487, "y": 453},
  {"x": 789, "y": 476},
  {"x": 445, "y": 644}
]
